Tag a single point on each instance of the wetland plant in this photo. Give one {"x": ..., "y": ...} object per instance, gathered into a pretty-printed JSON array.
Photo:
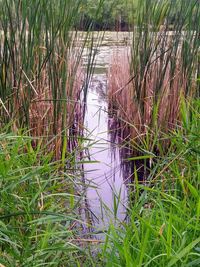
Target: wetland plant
[
  {"x": 39, "y": 220},
  {"x": 163, "y": 227},
  {"x": 42, "y": 82},
  {"x": 147, "y": 79}
]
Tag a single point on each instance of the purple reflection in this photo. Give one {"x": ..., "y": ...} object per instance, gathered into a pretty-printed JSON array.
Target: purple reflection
[{"x": 104, "y": 173}]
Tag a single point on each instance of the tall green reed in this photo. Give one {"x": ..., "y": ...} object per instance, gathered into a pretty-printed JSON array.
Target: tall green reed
[
  {"x": 163, "y": 226},
  {"x": 161, "y": 64},
  {"x": 41, "y": 78}
]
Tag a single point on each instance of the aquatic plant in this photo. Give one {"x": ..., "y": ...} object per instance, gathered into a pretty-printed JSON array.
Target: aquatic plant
[
  {"x": 163, "y": 226},
  {"x": 42, "y": 82},
  {"x": 39, "y": 220},
  {"x": 146, "y": 81}
]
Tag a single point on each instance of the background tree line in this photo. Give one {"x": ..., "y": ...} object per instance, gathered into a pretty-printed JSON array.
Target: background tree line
[
  {"x": 119, "y": 15},
  {"x": 109, "y": 14}
]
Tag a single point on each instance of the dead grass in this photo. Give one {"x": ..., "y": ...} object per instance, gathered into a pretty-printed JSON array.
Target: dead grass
[
  {"x": 44, "y": 122},
  {"x": 160, "y": 88}
]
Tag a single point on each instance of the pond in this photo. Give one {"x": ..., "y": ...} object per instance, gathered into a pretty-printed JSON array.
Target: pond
[{"x": 107, "y": 195}]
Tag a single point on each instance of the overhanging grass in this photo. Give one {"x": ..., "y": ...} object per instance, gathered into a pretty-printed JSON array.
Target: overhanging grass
[
  {"x": 163, "y": 228},
  {"x": 39, "y": 220}
]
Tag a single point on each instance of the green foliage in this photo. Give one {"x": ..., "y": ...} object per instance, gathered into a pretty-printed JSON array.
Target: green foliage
[
  {"x": 42, "y": 83},
  {"x": 110, "y": 13},
  {"x": 37, "y": 221},
  {"x": 163, "y": 228},
  {"x": 39, "y": 224},
  {"x": 161, "y": 64}
]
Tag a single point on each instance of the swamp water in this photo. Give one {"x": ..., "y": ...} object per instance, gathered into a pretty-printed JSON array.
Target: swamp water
[{"x": 106, "y": 196}]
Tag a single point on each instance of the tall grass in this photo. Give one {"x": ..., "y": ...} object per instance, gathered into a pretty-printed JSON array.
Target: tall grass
[
  {"x": 163, "y": 227},
  {"x": 43, "y": 89},
  {"x": 41, "y": 78},
  {"x": 39, "y": 220},
  {"x": 147, "y": 80}
]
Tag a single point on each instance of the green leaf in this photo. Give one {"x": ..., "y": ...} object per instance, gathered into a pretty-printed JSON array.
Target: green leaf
[
  {"x": 193, "y": 190},
  {"x": 141, "y": 157},
  {"x": 183, "y": 252}
]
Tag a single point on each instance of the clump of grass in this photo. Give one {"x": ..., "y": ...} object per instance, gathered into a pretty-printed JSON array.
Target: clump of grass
[
  {"x": 39, "y": 223},
  {"x": 163, "y": 227},
  {"x": 146, "y": 81},
  {"x": 42, "y": 121},
  {"x": 42, "y": 83}
]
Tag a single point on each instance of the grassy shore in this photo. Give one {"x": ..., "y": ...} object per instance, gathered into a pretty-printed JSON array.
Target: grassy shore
[
  {"x": 164, "y": 213},
  {"x": 39, "y": 220},
  {"x": 146, "y": 81},
  {"x": 40, "y": 224}
]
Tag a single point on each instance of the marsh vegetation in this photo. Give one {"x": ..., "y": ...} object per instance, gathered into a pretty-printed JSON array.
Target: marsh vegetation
[{"x": 99, "y": 139}]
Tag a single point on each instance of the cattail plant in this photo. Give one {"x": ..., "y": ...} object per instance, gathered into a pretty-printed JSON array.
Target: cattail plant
[
  {"x": 147, "y": 80},
  {"x": 41, "y": 78}
]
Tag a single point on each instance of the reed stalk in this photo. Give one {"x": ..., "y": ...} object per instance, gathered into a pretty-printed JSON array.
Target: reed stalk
[
  {"x": 41, "y": 75},
  {"x": 147, "y": 80}
]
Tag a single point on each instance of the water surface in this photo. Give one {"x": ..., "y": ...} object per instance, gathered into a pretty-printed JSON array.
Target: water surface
[{"x": 107, "y": 194}]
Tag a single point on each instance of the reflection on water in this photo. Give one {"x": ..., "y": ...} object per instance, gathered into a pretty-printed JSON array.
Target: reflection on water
[
  {"x": 109, "y": 172},
  {"x": 106, "y": 195},
  {"x": 104, "y": 174}
]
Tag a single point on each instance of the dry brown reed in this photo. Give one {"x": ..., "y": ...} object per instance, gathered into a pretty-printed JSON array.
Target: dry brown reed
[
  {"x": 161, "y": 87},
  {"x": 41, "y": 78},
  {"x": 44, "y": 125},
  {"x": 120, "y": 96}
]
